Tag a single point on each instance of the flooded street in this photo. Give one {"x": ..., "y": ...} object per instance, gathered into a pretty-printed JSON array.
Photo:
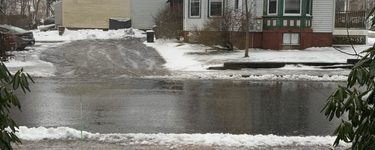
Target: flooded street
[{"x": 136, "y": 105}]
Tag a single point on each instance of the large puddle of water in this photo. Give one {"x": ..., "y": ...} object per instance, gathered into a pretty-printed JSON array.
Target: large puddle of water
[{"x": 136, "y": 105}]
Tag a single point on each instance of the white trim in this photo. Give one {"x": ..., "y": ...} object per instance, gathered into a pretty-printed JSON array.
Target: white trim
[
  {"x": 209, "y": 8},
  {"x": 268, "y": 8},
  {"x": 238, "y": 4},
  {"x": 290, "y": 14},
  {"x": 200, "y": 9},
  {"x": 290, "y": 40},
  {"x": 310, "y": 8}
]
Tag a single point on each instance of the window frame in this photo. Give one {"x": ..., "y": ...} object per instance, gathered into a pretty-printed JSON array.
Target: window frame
[
  {"x": 236, "y": 4},
  {"x": 200, "y": 9},
  {"x": 309, "y": 7},
  {"x": 209, "y": 9},
  {"x": 293, "y": 14},
  {"x": 291, "y": 38},
  {"x": 268, "y": 8}
]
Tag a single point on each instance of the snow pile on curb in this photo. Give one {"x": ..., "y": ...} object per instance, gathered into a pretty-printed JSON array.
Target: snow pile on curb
[
  {"x": 230, "y": 140},
  {"x": 175, "y": 55},
  {"x": 268, "y": 77},
  {"x": 33, "y": 66},
  {"x": 71, "y": 35}
]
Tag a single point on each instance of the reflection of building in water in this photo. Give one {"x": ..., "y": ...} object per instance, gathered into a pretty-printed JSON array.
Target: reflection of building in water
[{"x": 280, "y": 108}]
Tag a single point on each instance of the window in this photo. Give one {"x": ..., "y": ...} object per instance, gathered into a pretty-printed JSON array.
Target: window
[
  {"x": 291, "y": 39},
  {"x": 215, "y": 8},
  {"x": 272, "y": 7},
  {"x": 236, "y": 4},
  {"x": 308, "y": 9},
  {"x": 292, "y": 7},
  {"x": 4, "y": 30},
  {"x": 195, "y": 8},
  {"x": 341, "y": 5}
]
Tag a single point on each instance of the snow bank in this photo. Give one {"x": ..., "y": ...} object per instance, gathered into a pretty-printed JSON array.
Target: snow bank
[
  {"x": 33, "y": 66},
  {"x": 71, "y": 35},
  {"x": 175, "y": 55},
  {"x": 195, "y": 57},
  {"x": 230, "y": 140}
]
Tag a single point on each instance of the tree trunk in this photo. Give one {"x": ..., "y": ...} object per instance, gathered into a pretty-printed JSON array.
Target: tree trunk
[
  {"x": 1, "y": 7},
  {"x": 48, "y": 6},
  {"x": 23, "y": 7},
  {"x": 35, "y": 14},
  {"x": 247, "y": 30}
]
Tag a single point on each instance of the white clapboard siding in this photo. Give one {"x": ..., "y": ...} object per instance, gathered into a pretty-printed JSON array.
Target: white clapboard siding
[
  {"x": 259, "y": 4},
  {"x": 58, "y": 13},
  {"x": 144, "y": 11},
  {"x": 191, "y": 24},
  {"x": 323, "y": 16}
]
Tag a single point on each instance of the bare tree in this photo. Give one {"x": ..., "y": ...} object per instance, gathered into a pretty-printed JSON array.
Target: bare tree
[
  {"x": 23, "y": 6},
  {"x": 2, "y": 7},
  {"x": 247, "y": 28},
  {"x": 49, "y": 9}
]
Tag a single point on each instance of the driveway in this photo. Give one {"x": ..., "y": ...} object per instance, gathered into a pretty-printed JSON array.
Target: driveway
[{"x": 105, "y": 58}]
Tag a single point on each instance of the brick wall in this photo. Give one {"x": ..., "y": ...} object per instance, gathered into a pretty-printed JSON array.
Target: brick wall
[{"x": 273, "y": 39}]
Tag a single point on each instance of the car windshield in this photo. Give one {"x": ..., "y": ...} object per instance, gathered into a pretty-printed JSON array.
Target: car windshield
[{"x": 16, "y": 29}]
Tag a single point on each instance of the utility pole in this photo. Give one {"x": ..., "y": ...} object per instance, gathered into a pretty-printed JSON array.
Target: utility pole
[{"x": 247, "y": 30}]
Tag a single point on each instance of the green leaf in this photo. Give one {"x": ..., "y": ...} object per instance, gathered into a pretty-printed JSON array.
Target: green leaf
[{"x": 361, "y": 62}]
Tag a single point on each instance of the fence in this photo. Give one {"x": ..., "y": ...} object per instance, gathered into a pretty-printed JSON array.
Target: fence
[{"x": 350, "y": 19}]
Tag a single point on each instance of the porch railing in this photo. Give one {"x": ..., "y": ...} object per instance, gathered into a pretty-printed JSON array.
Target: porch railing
[{"x": 350, "y": 19}]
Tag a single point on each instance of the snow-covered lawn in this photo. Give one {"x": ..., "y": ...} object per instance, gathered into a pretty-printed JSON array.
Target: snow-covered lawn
[
  {"x": 194, "y": 57},
  {"x": 228, "y": 140}
]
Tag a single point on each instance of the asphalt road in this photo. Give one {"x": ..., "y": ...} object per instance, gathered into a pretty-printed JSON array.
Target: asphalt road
[{"x": 105, "y": 58}]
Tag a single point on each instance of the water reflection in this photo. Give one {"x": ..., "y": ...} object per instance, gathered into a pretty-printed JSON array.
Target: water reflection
[{"x": 169, "y": 106}]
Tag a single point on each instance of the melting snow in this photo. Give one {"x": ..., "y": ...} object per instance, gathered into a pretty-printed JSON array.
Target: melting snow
[
  {"x": 70, "y": 35},
  {"x": 217, "y": 139}
]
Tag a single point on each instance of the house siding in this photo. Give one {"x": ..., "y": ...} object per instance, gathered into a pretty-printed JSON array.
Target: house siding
[
  {"x": 144, "y": 11},
  {"x": 191, "y": 24},
  {"x": 58, "y": 13},
  {"x": 93, "y": 13},
  {"x": 259, "y": 6},
  {"x": 323, "y": 16}
]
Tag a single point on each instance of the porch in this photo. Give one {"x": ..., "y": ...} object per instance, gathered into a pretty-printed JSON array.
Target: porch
[{"x": 350, "y": 28}]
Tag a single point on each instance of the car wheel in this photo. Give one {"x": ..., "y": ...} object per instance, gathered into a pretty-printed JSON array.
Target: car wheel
[
  {"x": 14, "y": 47},
  {"x": 21, "y": 48}
]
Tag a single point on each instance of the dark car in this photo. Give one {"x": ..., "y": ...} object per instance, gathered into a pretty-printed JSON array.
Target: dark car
[
  {"x": 21, "y": 37},
  {"x": 49, "y": 20}
]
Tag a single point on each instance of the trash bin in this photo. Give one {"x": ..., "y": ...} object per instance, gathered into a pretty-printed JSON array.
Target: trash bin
[
  {"x": 150, "y": 36},
  {"x": 61, "y": 30}
]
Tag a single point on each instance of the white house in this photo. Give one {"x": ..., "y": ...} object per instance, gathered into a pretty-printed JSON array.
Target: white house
[
  {"x": 282, "y": 24},
  {"x": 144, "y": 11}
]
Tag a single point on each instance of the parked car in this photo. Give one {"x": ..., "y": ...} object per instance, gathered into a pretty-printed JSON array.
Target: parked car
[
  {"x": 20, "y": 37},
  {"x": 49, "y": 20},
  {"x": 7, "y": 42}
]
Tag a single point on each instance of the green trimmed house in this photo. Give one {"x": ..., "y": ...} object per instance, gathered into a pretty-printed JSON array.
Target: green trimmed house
[{"x": 277, "y": 24}]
